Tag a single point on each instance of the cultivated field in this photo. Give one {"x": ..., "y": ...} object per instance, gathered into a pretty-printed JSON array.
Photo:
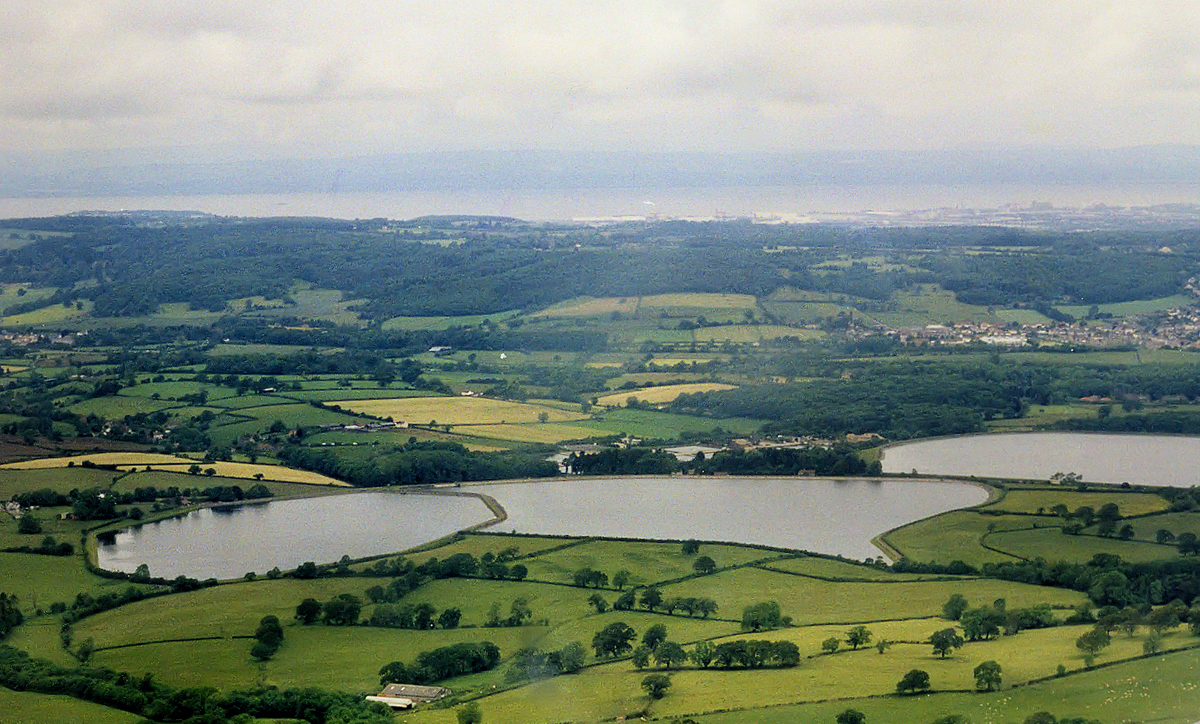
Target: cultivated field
[
  {"x": 457, "y": 410},
  {"x": 660, "y": 395}
]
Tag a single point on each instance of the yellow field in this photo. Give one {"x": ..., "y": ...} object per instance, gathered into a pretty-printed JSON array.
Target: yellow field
[
  {"x": 695, "y": 301},
  {"x": 112, "y": 458},
  {"x": 592, "y": 307},
  {"x": 278, "y": 473},
  {"x": 176, "y": 464},
  {"x": 744, "y": 333},
  {"x": 659, "y": 395},
  {"x": 457, "y": 410}
]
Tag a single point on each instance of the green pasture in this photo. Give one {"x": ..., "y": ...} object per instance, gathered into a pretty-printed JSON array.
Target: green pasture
[
  {"x": 1053, "y": 545},
  {"x": 812, "y": 601},
  {"x": 665, "y": 425},
  {"x": 179, "y": 477},
  {"x": 14, "y": 481},
  {"x": 1035, "y": 500},
  {"x": 539, "y": 433},
  {"x": 660, "y": 394},
  {"x": 284, "y": 350},
  {"x": 332, "y": 657},
  {"x": 953, "y": 536},
  {"x": 51, "y": 314},
  {"x": 1177, "y": 523},
  {"x": 807, "y": 312},
  {"x": 753, "y": 333},
  {"x": 644, "y": 379},
  {"x": 175, "y": 389},
  {"x": 475, "y": 597},
  {"x": 22, "y": 707},
  {"x": 929, "y": 304},
  {"x": 40, "y": 638},
  {"x": 227, "y": 610},
  {"x": 649, "y": 562},
  {"x": 681, "y": 629},
  {"x": 1040, "y": 416},
  {"x": 477, "y": 544},
  {"x": 1132, "y": 357},
  {"x": 39, "y": 581},
  {"x": 1022, "y": 316},
  {"x": 346, "y": 393},
  {"x": 832, "y": 569},
  {"x": 415, "y": 324},
  {"x": 10, "y": 294},
  {"x": 115, "y": 407},
  {"x": 1124, "y": 309},
  {"x": 611, "y": 690}
]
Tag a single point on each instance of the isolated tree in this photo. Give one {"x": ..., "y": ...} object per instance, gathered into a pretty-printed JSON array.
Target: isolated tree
[
  {"x": 469, "y": 713},
  {"x": 987, "y": 676},
  {"x": 597, "y": 601},
  {"x": 954, "y": 608},
  {"x": 831, "y": 645},
  {"x": 691, "y": 547},
  {"x": 615, "y": 638},
  {"x": 858, "y": 636},
  {"x": 1093, "y": 642},
  {"x": 945, "y": 641},
  {"x": 656, "y": 685},
  {"x": 882, "y": 645},
  {"x": 620, "y": 579},
  {"x": 851, "y": 716},
  {"x": 913, "y": 682},
  {"x": 704, "y": 565},
  {"x": 29, "y": 524}
]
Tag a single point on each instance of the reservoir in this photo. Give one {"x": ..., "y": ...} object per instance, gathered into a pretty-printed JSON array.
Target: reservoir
[
  {"x": 837, "y": 517},
  {"x": 1103, "y": 458}
]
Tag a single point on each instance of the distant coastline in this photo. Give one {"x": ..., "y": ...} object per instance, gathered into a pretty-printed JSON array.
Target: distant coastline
[{"x": 1028, "y": 205}]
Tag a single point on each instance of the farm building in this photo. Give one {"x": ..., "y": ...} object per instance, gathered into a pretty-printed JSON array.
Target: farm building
[{"x": 406, "y": 696}]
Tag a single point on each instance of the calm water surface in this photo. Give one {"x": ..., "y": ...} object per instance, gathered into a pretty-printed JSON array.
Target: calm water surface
[
  {"x": 827, "y": 516},
  {"x": 1101, "y": 458},
  {"x": 228, "y": 542},
  {"x": 820, "y": 515}
]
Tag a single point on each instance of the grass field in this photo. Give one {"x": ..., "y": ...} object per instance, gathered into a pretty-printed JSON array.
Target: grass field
[
  {"x": 953, "y": 536},
  {"x": 1052, "y": 544},
  {"x": 25, "y": 708},
  {"x": 458, "y": 410},
  {"x": 660, "y": 395},
  {"x": 585, "y": 307},
  {"x": 1122, "y": 309},
  {"x": 753, "y": 333},
  {"x": 930, "y": 304},
  {"x": 51, "y": 314},
  {"x": 549, "y": 432},
  {"x": 1031, "y": 501},
  {"x": 413, "y": 324}
]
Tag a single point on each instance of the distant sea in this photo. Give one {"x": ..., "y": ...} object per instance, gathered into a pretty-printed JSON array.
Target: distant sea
[{"x": 793, "y": 203}]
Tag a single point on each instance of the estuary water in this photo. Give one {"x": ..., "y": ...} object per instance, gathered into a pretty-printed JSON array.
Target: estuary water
[
  {"x": 838, "y": 517},
  {"x": 1098, "y": 457}
]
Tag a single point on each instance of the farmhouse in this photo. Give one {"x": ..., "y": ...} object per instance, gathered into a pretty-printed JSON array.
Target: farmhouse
[{"x": 406, "y": 696}]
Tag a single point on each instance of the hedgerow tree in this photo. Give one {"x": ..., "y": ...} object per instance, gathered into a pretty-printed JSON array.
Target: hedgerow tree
[
  {"x": 914, "y": 681},
  {"x": 987, "y": 676}
]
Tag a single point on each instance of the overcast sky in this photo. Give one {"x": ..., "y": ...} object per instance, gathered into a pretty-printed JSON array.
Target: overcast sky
[{"x": 301, "y": 78}]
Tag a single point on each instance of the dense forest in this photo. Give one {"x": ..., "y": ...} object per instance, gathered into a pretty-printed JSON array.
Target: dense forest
[{"x": 446, "y": 267}]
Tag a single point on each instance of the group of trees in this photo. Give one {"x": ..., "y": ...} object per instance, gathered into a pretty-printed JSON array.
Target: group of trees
[
  {"x": 341, "y": 610},
  {"x": 10, "y": 614},
  {"x": 421, "y": 616},
  {"x": 530, "y": 664},
  {"x": 763, "y": 616},
  {"x": 443, "y": 663},
  {"x": 651, "y": 598},
  {"x": 268, "y": 637}
]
